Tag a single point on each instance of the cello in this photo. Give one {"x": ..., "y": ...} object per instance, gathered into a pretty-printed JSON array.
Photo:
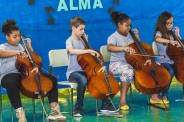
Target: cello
[
  {"x": 100, "y": 84},
  {"x": 177, "y": 55},
  {"x": 150, "y": 77},
  {"x": 33, "y": 84}
]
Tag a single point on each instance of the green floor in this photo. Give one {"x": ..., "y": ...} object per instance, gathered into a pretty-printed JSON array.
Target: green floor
[{"x": 139, "y": 110}]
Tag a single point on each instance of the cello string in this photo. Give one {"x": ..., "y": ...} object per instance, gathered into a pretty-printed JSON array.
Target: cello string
[
  {"x": 54, "y": 74},
  {"x": 24, "y": 40}
]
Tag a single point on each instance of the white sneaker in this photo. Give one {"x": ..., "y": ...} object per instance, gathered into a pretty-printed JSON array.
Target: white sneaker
[
  {"x": 77, "y": 115},
  {"x": 55, "y": 114},
  {"x": 77, "y": 112},
  {"x": 21, "y": 115}
]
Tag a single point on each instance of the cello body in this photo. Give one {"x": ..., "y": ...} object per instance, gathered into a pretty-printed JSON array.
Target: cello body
[
  {"x": 97, "y": 85},
  {"x": 100, "y": 84},
  {"x": 177, "y": 55},
  {"x": 150, "y": 78},
  {"x": 33, "y": 84},
  {"x": 144, "y": 81}
]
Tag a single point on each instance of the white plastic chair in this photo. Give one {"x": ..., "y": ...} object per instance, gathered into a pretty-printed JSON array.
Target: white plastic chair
[
  {"x": 154, "y": 46},
  {"x": 58, "y": 58},
  {"x": 105, "y": 53}
]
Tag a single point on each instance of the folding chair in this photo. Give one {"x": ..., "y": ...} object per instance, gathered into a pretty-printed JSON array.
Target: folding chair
[{"x": 58, "y": 58}]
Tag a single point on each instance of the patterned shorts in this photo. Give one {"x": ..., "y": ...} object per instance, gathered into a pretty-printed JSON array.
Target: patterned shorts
[{"x": 123, "y": 70}]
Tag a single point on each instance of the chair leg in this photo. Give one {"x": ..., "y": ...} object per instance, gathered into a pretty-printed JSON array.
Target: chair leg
[
  {"x": 131, "y": 95},
  {"x": 182, "y": 99},
  {"x": 43, "y": 115},
  {"x": 12, "y": 112},
  {"x": 183, "y": 91},
  {"x": 34, "y": 110},
  {"x": 72, "y": 101},
  {"x": 97, "y": 106},
  {"x": 34, "y": 113},
  {"x": 148, "y": 99},
  {"x": 1, "y": 110}
]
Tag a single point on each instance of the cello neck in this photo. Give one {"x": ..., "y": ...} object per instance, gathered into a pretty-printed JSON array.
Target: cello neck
[
  {"x": 137, "y": 42},
  {"x": 86, "y": 42},
  {"x": 89, "y": 47},
  {"x": 27, "y": 50},
  {"x": 176, "y": 38}
]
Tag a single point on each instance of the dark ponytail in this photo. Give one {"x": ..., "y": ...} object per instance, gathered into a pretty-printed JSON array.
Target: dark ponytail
[
  {"x": 9, "y": 26},
  {"x": 118, "y": 17}
]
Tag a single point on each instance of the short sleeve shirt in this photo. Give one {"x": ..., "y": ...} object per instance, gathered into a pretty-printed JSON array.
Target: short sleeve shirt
[
  {"x": 7, "y": 65},
  {"x": 162, "y": 50},
  {"x": 73, "y": 63},
  {"x": 119, "y": 40}
]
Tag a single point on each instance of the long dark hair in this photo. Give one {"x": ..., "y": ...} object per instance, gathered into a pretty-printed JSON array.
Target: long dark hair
[{"x": 161, "y": 24}]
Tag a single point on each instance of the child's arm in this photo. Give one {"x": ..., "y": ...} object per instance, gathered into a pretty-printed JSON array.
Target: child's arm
[
  {"x": 9, "y": 53},
  {"x": 113, "y": 48},
  {"x": 162, "y": 40},
  {"x": 81, "y": 51}
]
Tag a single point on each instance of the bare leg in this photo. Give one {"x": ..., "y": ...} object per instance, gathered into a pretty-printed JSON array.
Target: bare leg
[
  {"x": 164, "y": 97},
  {"x": 53, "y": 104},
  {"x": 124, "y": 86},
  {"x": 155, "y": 97}
]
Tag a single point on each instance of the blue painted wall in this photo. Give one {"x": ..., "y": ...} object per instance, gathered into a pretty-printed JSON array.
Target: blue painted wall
[{"x": 48, "y": 26}]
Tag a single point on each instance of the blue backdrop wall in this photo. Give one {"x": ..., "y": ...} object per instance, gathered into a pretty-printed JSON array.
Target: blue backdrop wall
[{"x": 46, "y": 22}]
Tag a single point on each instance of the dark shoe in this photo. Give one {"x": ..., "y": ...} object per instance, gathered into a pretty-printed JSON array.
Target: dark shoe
[
  {"x": 78, "y": 112},
  {"x": 107, "y": 106},
  {"x": 112, "y": 108}
]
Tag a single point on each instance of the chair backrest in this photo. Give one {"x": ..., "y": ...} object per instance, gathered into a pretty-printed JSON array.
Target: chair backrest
[
  {"x": 154, "y": 46},
  {"x": 58, "y": 57},
  {"x": 105, "y": 53}
]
